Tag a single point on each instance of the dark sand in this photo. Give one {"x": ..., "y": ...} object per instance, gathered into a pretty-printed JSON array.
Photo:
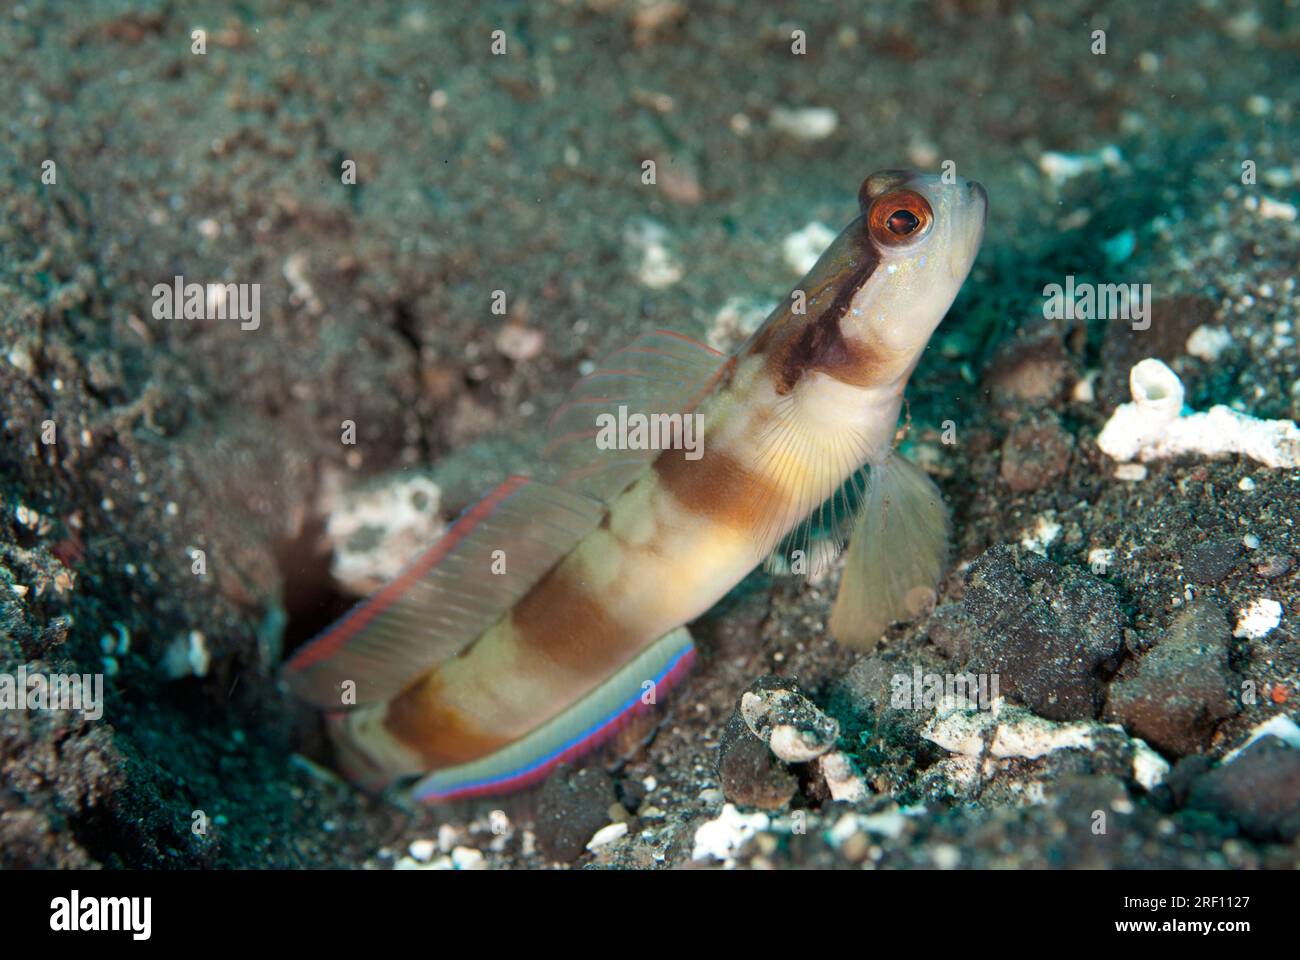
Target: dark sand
[{"x": 522, "y": 173}]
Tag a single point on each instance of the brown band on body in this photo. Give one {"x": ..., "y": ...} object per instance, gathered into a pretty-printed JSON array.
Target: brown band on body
[
  {"x": 719, "y": 487},
  {"x": 560, "y": 619},
  {"x": 442, "y": 735}
]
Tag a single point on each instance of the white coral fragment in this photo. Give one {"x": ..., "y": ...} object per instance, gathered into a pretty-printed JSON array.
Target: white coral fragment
[
  {"x": 1280, "y": 726},
  {"x": 722, "y": 838},
  {"x": 1153, "y": 427},
  {"x": 804, "y": 123},
  {"x": 1060, "y": 167},
  {"x": 376, "y": 530},
  {"x": 802, "y": 249},
  {"x": 1149, "y": 768},
  {"x": 655, "y": 265},
  {"x": 1258, "y": 619},
  {"x": 976, "y": 737}
]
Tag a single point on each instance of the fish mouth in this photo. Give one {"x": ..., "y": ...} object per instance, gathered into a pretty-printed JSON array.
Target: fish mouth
[
  {"x": 974, "y": 210},
  {"x": 979, "y": 196}
]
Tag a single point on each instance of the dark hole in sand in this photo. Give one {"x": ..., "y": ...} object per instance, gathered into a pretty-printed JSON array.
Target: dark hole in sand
[
  {"x": 312, "y": 598},
  {"x": 312, "y": 601}
]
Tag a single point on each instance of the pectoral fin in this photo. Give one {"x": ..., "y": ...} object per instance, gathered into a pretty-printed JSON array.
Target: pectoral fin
[
  {"x": 896, "y": 554},
  {"x": 813, "y": 546}
]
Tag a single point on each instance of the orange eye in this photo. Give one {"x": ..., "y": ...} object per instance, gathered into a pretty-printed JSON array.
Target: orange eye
[{"x": 899, "y": 217}]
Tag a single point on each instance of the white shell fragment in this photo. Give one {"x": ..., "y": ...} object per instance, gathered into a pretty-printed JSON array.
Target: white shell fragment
[
  {"x": 722, "y": 838},
  {"x": 844, "y": 784},
  {"x": 1153, "y": 427},
  {"x": 1258, "y": 619},
  {"x": 789, "y": 723}
]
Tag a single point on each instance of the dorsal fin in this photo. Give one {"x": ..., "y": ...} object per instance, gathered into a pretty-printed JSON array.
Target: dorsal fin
[
  {"x": 660, "y": 372},
  {"x": 446, "y": 597}
]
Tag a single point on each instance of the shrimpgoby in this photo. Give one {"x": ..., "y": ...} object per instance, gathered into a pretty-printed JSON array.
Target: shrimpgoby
[{"x": 541, "y": 620}]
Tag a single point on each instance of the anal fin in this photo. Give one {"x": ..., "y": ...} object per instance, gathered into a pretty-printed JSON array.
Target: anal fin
[{"x": 578, "y": 729}]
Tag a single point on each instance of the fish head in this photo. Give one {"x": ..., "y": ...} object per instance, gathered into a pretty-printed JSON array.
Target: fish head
[
  {"x": 920, "y": 234},
  {"x": 864, "y": 313}
]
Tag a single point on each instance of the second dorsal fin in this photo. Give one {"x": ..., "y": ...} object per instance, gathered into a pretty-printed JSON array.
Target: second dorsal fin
[
  {"x": 661, "y": 372},
  {"x": 446, "y": 597}
]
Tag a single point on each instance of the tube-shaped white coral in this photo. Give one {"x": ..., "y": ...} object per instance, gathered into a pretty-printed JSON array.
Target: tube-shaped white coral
[
  {"x": 1157, "y": 402},
  {"x": 1153, "y": 426}
]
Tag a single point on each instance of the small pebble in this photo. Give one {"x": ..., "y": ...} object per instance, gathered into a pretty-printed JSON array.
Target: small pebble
[
  {"x": 1258, "y": 619},
  {"x": 467, "y": 858},
  {"x": 607, "y": 835},
  {"x": 422, "y": 850}
]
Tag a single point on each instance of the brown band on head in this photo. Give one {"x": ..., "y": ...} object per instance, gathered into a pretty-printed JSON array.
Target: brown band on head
[
  {"x": 795, "y": 345},
  {"x": 821, "y": 344}
]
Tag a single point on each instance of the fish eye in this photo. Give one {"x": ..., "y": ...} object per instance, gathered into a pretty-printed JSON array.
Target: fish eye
[
  {"x": 902, "y": 222},
  {"x": 899, "y": 217}
]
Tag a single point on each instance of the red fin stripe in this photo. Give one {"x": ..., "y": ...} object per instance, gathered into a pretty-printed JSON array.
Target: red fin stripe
[{"x": 691, "y": 340}]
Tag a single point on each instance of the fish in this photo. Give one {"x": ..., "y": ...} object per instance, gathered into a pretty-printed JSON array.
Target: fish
[{"x": 553, "y": 613}]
